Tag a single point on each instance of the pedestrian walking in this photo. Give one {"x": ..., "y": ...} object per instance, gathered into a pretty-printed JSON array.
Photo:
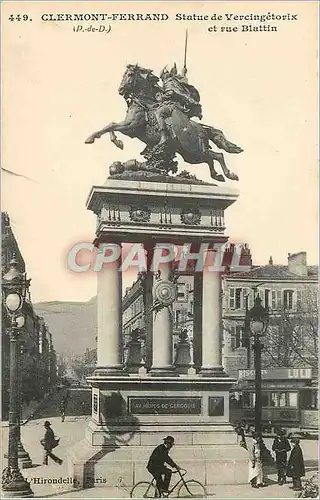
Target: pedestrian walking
[
  {"x": 49, "y": 442},
  {"x": 281, "y": 446},
  {"x": 255, "y": 477},
  {"x": 295, "y": 468},
  {"x": 241, "y": 439},
  {"x": 62, "y": 409}
]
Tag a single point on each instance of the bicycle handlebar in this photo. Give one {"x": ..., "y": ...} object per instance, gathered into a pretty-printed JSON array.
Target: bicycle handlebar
[{"x": 181, "y": 471}]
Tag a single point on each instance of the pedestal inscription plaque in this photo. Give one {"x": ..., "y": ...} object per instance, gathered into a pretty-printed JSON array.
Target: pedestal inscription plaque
[{"x": 164, "y": 406}]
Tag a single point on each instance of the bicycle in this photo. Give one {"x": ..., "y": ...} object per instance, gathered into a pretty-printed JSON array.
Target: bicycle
[{"x": 190, "y": 488}]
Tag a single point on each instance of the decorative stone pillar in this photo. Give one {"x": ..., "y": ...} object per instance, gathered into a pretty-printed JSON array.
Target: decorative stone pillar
[
  {"x": 164, "y": 294},
  {"x": 109, "y": 342},
  {"x": 211, "y": 319}
]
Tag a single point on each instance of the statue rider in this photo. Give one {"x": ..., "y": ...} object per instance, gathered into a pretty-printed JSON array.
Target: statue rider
[{"x": 176, "y": 93}]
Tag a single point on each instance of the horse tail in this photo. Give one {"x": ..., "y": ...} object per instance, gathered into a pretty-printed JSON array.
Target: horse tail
[{"x": 219, "y": 139}]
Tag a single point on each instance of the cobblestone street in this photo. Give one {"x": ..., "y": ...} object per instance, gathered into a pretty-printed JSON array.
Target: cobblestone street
[{"x": 72, "y": 430}]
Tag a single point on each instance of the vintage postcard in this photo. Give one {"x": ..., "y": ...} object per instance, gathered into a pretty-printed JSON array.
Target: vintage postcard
[{"x": 159, "y": 249}]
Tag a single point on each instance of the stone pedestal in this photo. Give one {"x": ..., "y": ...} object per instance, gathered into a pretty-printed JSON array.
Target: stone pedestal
[{"x": 131, "y": 415}]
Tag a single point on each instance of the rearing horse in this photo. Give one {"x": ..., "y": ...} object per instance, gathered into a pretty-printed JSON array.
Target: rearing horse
[{"x": 190, "y": 139}]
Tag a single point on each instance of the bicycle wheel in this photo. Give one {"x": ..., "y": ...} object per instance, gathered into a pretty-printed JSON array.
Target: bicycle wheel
[
  {"x": 193, "y": 489},
  {"x": 144, "y": 490}
]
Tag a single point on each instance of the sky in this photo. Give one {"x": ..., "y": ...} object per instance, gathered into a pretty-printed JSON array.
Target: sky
[{"x": 59, "y": 86}]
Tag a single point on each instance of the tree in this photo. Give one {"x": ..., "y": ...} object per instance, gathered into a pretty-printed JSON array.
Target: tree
[{"x": 292, "y": 335}]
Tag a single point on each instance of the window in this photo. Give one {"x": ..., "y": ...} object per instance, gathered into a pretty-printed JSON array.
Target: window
[
  {"x": 288, "y": 299},
  {"x": 266, "y": 298},
  {"x": 264, "y": 399},
  {"x": 182, "y": 292},
  {"x": 273, "y": 299},
  {"x": 274, "y": 399},
  {"x": 231, "y": 298},
  {"x": 238, "y": 298},
  {"x": 293, "y": 399},
  {"x": 282, "y": 398}
]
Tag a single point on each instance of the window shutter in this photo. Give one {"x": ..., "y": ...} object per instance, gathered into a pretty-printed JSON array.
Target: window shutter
[
  {"x": 231, "y": 298},
  {"x": 279, "y": 299},
  {"x": 261, "y": 295},
  {"x": 233, "y": 337},
  {"x": 298, "y": 299},
  {"x": 238, "y": 336},
  {"x": 245, "y": 293}
]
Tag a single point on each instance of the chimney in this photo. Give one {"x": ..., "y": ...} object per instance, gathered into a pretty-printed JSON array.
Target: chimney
[
  {"x": 297, "y": 263},
  {"x": 271, "y": 261},
  {"x": 246, "y": 259}
]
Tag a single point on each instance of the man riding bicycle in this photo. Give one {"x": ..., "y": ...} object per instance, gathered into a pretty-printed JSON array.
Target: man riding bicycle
[{"x": 156, "y": 467}]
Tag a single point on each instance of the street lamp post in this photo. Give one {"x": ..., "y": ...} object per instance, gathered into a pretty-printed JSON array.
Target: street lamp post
[
  {"x": 15, "y": 285},
  {"x": 23, "y": 456},
  {"x": 258, "y": 317},
  {"x": 24, "y": 459}
]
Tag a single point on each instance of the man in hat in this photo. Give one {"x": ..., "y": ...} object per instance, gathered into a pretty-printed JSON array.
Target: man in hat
[
  {"x": 281, "y": 446},
  {"x": 156, "y": 467},
  {"x": 49, "y": 442},
  {"x": 295, "y": 467}
]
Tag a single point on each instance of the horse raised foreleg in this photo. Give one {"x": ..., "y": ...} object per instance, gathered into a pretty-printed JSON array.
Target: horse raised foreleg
[
  {"x": 220, "y": 158},
  {"x": 123, "y": 127}
]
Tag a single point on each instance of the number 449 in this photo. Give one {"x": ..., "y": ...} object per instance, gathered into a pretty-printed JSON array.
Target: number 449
[{"x": 18, "y": 17}]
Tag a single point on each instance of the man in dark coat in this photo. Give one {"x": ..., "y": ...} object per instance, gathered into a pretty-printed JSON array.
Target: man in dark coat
[
  {"x": 156, "y": 467},
  {"x": 295, "y": 467},
  {"x": 281, "y": 446},
  {"x": 49, "y": 442}
]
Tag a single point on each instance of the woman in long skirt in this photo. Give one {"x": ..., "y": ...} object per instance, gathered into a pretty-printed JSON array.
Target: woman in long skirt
[{"x": 255, "y": 477}]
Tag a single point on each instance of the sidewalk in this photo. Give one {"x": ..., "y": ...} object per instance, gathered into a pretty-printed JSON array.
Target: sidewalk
[
  {"x": 216, "y": 492},
  {"x": 72, "y": 430}
]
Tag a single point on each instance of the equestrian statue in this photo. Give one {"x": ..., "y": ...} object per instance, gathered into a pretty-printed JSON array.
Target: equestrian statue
[{"x": 159, "y": 113}]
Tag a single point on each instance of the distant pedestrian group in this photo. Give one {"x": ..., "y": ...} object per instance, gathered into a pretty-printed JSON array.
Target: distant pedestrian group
[{"x": 294, "y": 468}]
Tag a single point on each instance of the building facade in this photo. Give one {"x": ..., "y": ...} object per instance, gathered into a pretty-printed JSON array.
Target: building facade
[
  {"x": 290, "y": 344},
  {"x": 290, "y": 294},
  {"x": 135, "y": 313},
  {"x": 290, "y": 353},
  {"x": 37, "y": 354}
]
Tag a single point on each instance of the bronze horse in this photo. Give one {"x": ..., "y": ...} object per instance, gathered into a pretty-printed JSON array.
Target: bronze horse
[{"x": 190, "y": 139}]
